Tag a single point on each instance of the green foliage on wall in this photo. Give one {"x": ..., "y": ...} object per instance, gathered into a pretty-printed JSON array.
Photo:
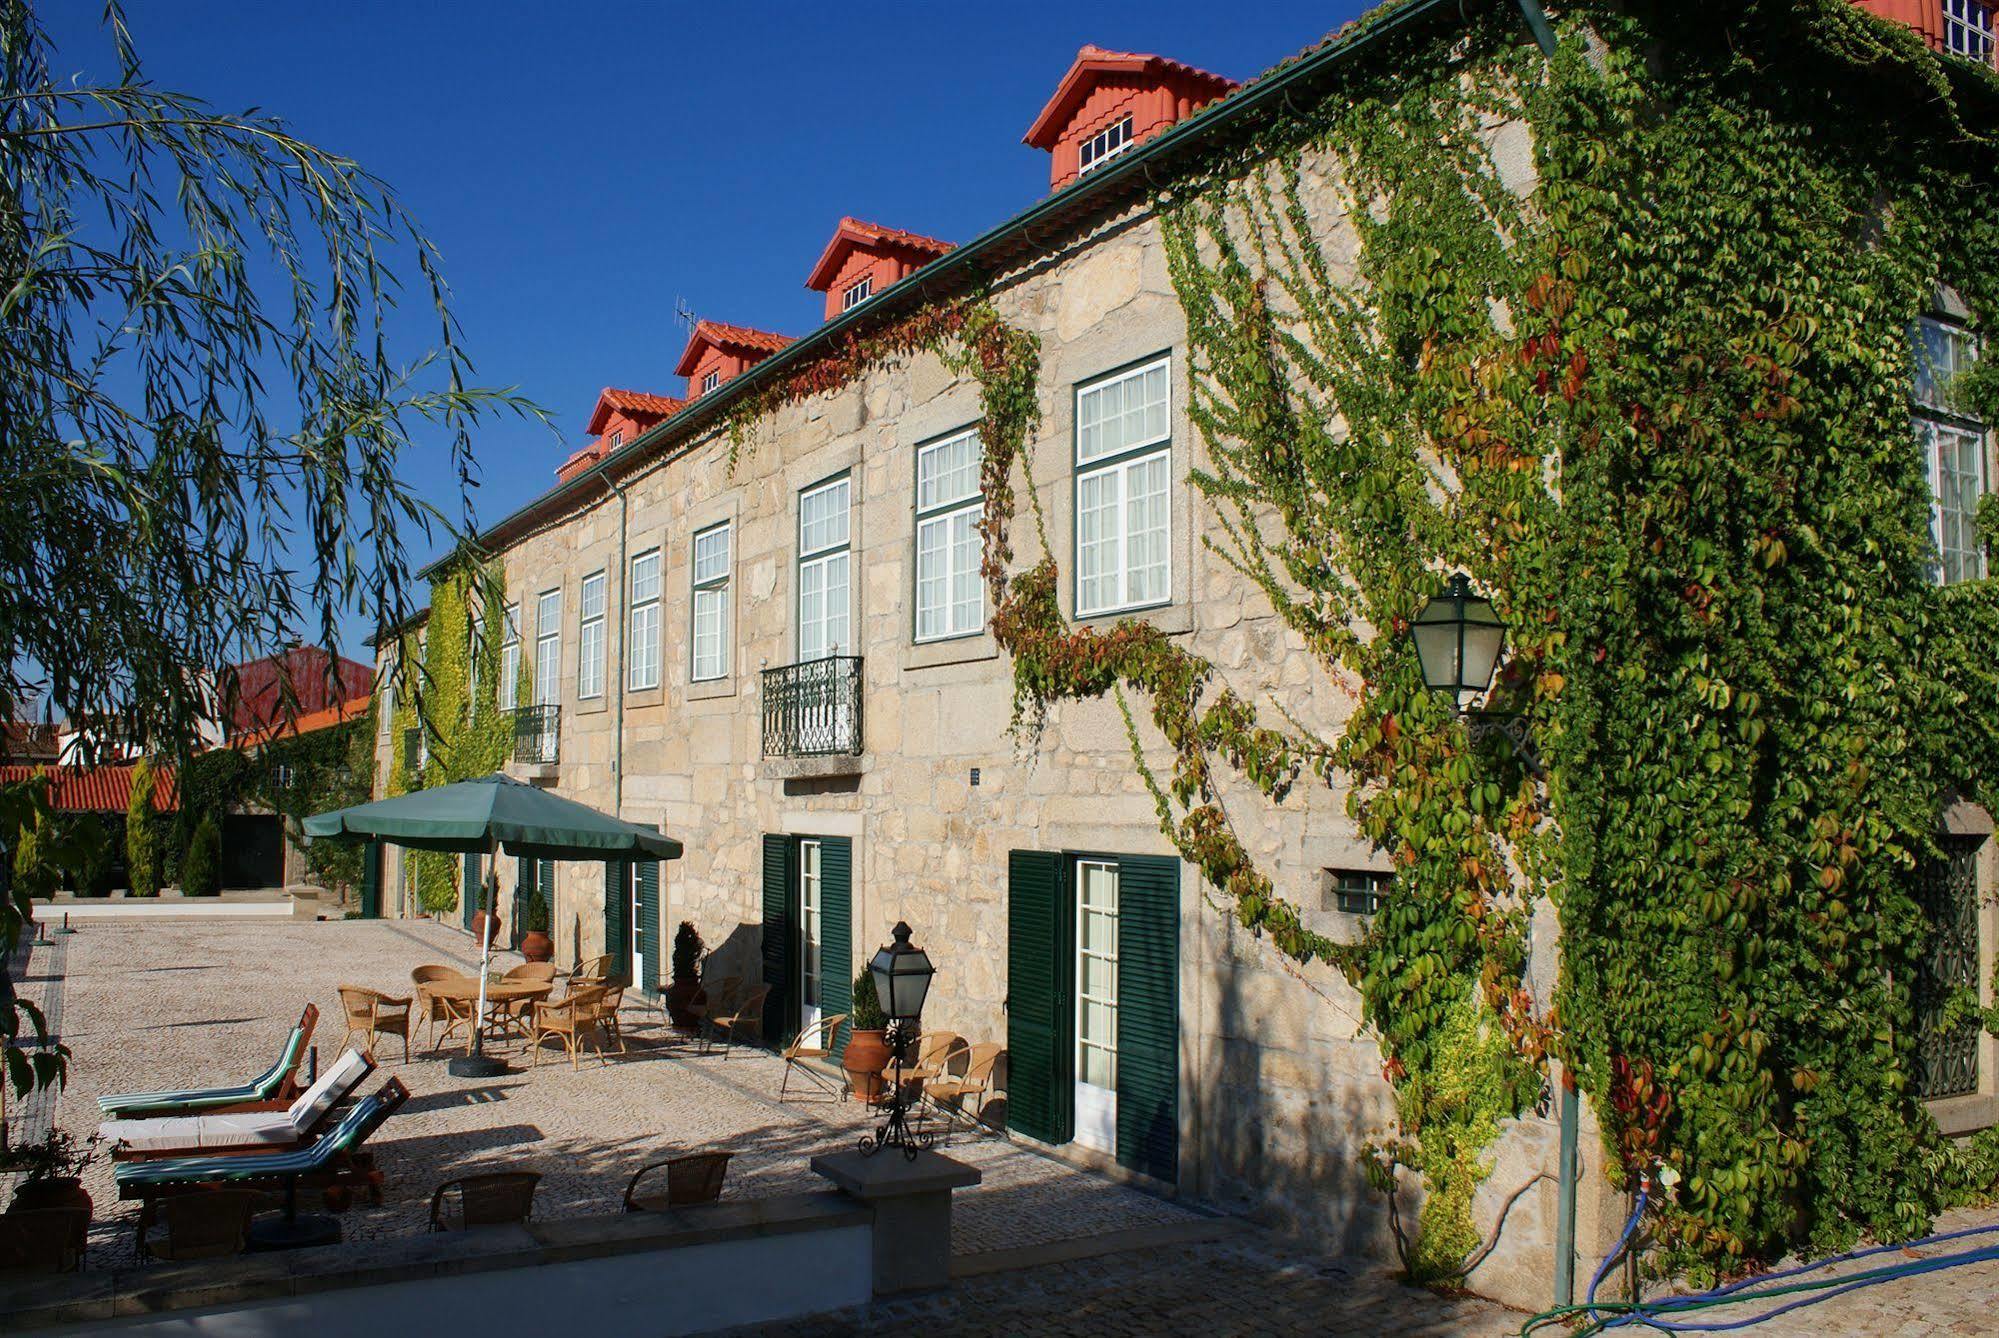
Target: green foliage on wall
[{"x": 470, "y": 733}]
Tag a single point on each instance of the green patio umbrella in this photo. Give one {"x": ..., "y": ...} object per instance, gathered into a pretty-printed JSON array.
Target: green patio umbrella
[{"x": 485, "y": 816}]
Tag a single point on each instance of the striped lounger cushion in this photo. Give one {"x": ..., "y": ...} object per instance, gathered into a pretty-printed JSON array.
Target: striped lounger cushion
[
  {"x": 188, "y": 1101},
  {"x": 135, "y": 1178},
  {"x": 277, "y": 1128}
]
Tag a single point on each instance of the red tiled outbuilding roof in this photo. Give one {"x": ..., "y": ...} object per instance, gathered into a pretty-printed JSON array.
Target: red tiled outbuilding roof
[
  {"x": 853, "y": 232},
  {"x": 309, "y": 723},
  {"x": 255, "y": 690},
  {"x": 96, "y": 789},
  {"x": 733, "y": 338},
  {"x": 1091, "y": 64},
  {"x": 633, "y": 404}
]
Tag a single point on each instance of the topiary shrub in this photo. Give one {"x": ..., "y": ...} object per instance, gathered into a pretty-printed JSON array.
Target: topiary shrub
[
  {"x": 867, "y": 1014},
  {"x": 201, "y": 868},
  {"x": 142, "y": 842}
]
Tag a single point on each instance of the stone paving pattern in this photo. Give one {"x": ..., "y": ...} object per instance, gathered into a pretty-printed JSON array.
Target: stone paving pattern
[{"x": 180, "y": 1003}]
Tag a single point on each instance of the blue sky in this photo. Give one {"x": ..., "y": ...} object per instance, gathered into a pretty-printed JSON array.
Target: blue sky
[{"x": 584, "y": 166}]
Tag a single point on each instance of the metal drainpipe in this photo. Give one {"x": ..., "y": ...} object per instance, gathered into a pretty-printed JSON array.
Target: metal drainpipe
[{"x": 1565, "y": 1195}]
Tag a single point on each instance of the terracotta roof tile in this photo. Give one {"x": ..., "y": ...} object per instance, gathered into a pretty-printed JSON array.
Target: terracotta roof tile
[
  {"x": 96, "y": 790},
  {"x": 857, "y": 232},
  {"x": 310, "y": 723},
  {"x": 1094, "y": 60},
  {"x": 738, "y": 338}
]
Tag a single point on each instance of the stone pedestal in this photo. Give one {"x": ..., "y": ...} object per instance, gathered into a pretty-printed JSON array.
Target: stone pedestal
[{"x": 912, "y": 1207}]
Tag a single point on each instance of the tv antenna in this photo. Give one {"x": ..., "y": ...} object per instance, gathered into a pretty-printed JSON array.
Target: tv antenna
[{"x": 684, "y": 313}]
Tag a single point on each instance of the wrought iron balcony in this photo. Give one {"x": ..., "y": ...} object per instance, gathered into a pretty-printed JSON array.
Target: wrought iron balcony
[
  {"x": 537, "y": 734},
  {"x": 813, "y": 709}
]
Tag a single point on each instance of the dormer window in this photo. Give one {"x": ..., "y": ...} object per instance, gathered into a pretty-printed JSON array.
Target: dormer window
[
  {"x": 866, "y": 258},
  {"x": 1105, "y": 145},
  {"x": 1967, "y": 29},
  {"x": 710, "y": 381},
  {"x": 616, "y": 439},
  {"x": 857, "y": 293}
]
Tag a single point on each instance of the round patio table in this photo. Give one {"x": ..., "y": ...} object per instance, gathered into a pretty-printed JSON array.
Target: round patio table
[{"x": 465, "y": 989}]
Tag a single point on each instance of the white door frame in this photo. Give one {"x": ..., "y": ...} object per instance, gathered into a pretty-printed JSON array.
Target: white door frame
[
  {"x": 811, "y": 907},
  {"x": 1096, "y": 1105}
]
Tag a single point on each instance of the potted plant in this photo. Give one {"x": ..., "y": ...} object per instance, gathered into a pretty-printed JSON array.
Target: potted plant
[
  {"x": 867, "y": 1041},
  {"x": 685, "y": 990},
  {"x": 536, "y": 945},
  {"x": 54, "y": 1169}
]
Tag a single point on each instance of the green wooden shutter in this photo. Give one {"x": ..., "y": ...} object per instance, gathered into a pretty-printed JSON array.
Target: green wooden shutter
[
  {"x": 1148, "y": 1016},
  {"x": 617, "y": 913},
  {"x": 780, "y": 937},
  {"x": 1040, "y": 1018},
  {"x": 648, "y": 925},
  {"x": 468, "y": 891},
  {"x": 371, "y": 881},
  {"x": 836, "y": 931}
]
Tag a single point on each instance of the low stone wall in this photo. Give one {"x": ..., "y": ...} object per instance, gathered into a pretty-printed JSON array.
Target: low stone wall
[{"x": 687, "y": 1271}]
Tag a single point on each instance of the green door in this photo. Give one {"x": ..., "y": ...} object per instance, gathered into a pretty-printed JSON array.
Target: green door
[
  {"x": 836, "y": 931},
  {"x": 780, "y": 936},
  {"x": 371, "y": 881},
  {"x": 1040, "y": 970},
  {"x": 617, "y": 916},
  {"x": 648, "y": 926},
  {"x": 1148, "y": 1015},
  {"x": 468, "y": 891}
]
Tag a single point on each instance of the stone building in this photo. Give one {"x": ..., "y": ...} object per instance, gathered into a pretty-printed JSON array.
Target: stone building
[{"x": 774, "y": 645}]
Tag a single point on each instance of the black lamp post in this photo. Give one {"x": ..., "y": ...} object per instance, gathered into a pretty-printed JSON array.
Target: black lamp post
[
  {"x": 1459, "y": 639},
  {"x": 902, "y": 973}
]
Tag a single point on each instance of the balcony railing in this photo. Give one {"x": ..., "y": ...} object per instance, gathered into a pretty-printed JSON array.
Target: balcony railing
[
  {"x": 813, "y": 709},
  {"x": 537, "y": 734}
]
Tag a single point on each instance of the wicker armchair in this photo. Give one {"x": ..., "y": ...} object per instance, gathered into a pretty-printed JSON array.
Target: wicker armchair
[
  {"x": 745, "y": 1019},
  {"x": 568, "y": 1021},
  {"x": 599, "y": 970},
  {"x": 975, "y": 1081},
  {"x": 692, "y": 1178},
  {"x": 372, "y": 1014},
  {"x": 431, "y": 1009},
  {"x": 494, "y": 1199},
  {"x": 606, "y": 1010},
  {"x": 203, "y": 1224},
  {"x": 814, "y": 1043},
  {"x": 43, "y": 1240},
  {"x": 510, "y": 1017},
  {"x": 713, "y": 1000}
]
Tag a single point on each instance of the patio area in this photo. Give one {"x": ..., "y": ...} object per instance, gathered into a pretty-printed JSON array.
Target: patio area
[{"x": 197, "y": 1003}]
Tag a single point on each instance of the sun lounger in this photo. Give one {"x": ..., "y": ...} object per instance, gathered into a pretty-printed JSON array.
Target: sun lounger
[
  {"x": 245, "y": 1131},
  {"x": 273, "y": 1090},
  {"x": 336, "y": 1158}
]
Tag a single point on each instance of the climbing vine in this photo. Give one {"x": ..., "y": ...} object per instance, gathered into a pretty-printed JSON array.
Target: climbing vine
[
  {"x": 468, "y": 730},
  {"x": 1645, "y": 375}
]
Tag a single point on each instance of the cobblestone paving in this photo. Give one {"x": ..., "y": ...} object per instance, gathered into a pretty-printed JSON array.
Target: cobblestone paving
[
  {"x": 1245, "y": 1285},
  {"x": 167, "y": 1004}
]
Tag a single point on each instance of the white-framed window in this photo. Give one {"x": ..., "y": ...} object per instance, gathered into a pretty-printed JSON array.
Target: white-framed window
[
  {"x": 1124, "y": 454},
  {"x": 510, "y": 656},
  {"x": 548, "y": 648},
  {"x": 710, "y": 381},
  {"x": 1955, "y": 448},
  {"x": 1967, "y": 29},
  {"x": 617, "y": 438},
  {"x": 708, "y": 654},
  {"x": 858, "y": 293},
  {"x": 1103, "y": 146},
  {"x": 823, "y": 569},
  {"x": 644, "y": 621},
  {"x": 590, "y": 638},
  {"x": 950, "y": 599}
]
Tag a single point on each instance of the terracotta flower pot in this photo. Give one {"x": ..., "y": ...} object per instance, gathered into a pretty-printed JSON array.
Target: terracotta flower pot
[
  {"x": 537, "y": 946},
  {"x": 485, "y": 927},
  {"x": 866, "y": 1057},
  {"x": 680, "y": 999},
  {"x": 65, "y": 1191}
]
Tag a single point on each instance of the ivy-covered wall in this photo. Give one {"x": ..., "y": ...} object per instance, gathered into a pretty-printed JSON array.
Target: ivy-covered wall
[{"x": 469, "y": 733}]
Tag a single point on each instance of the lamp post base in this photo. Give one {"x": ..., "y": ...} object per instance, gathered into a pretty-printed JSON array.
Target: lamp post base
[{"x": 476, "y": 1066}]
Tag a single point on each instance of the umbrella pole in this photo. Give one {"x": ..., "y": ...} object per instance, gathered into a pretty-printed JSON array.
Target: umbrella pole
[{"x": 475, "y": 1062}]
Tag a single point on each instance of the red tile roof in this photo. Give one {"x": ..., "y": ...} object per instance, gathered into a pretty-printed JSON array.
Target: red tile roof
[
  {"x": 854, "y": 232},
  {"x": 317, "y": 681},
  {"x": 309, "y": 723},
  {"x": 1090, "y": 64},
  {"x": 633, "y": 404},
  {"x": 757, "y": 344},
  {"x": 97, "y": 790}
]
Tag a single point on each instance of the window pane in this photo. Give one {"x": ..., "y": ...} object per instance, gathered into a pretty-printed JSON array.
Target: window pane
[
  {"x": 932, "y": 577},
  {"x": 593, "y": 595},
  {"x": 711, "y": 555},
  {"x": 1129, "y": 410},
  {"x": 1097, "y": 510},
  {"x": 947, "y": 471},
  {"x": 645, "y": 577},
  {"x": 645, "y": 646},
  {"x": 968, "y": 596},
  {"x": 1146, "y": 530},
  {"x": 822, "y": 517}
]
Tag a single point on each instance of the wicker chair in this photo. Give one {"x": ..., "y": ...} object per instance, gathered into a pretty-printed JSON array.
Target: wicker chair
[
  {"x": 433, "y": 1010},
  {"x": 598, "y": 970},
  {"x": 935, "y": 1051},
  {"x": 713, "y": 1000},
  {"x": 569, "y": 1020},
  {"x": 497, "y": 1198},
  {"x": 372, "y": 1014},
  {"x": 693, "y": 1178},
  {"x": 510, "y": 1017},
  {"x": 43, "y": 1240},
  {"x": 606, "y": 1010},
  {"x": 975, "y": 1081},
  {"x": 814, "y": 1043},
  {"x": 204, "y": 1224},
  {"x": 745, "y": 1018}
]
